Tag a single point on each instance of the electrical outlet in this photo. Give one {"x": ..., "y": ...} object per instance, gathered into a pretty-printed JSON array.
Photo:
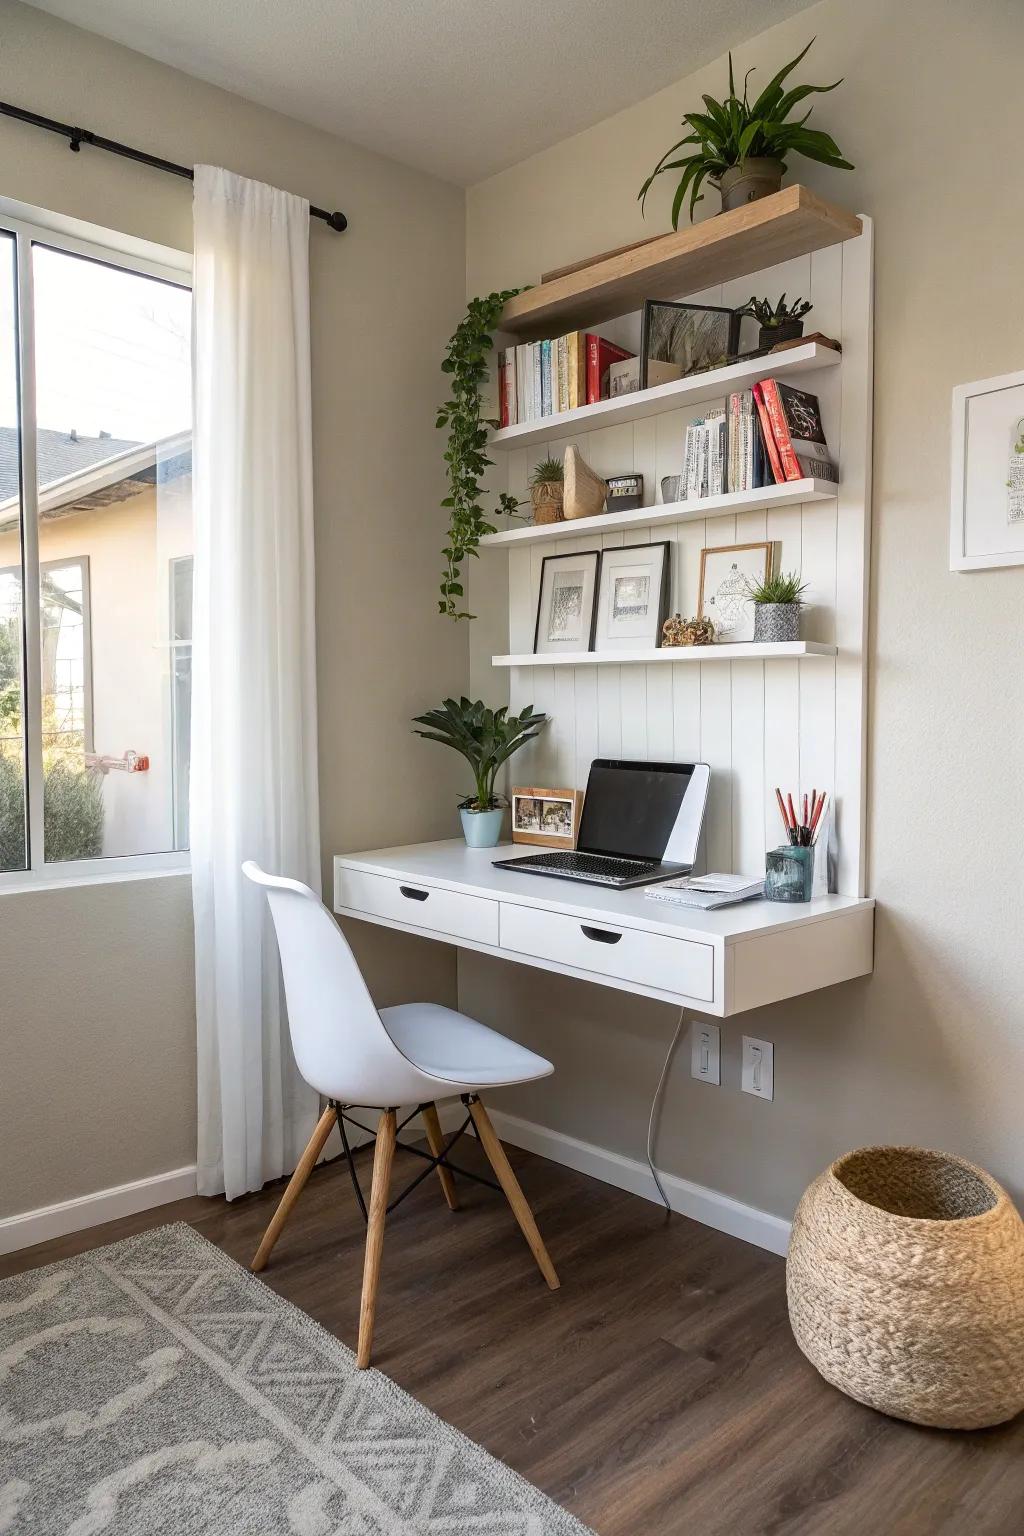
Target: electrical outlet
[
  {"x": 706, "y": 1052},
  {"x": 758, "y": 1067}
]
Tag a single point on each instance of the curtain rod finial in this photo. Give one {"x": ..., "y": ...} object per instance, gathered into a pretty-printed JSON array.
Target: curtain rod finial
[{"x": 338, "y": 222}]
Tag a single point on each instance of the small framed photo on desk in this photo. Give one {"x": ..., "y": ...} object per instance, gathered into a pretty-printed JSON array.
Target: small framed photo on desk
[{"x": 548, "y": 817}]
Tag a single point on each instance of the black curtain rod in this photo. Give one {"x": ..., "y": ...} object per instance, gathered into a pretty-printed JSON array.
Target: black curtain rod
[{"x": 78, "y": 136}]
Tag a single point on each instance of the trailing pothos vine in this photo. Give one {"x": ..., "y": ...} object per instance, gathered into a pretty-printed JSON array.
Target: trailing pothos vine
[{"x": 467, "y": 358}]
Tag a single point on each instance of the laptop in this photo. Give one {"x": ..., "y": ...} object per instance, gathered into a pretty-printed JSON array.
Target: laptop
[{"x": 641, "y": 823}]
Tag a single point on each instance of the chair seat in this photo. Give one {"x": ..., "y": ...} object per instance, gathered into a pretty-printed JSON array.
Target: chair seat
[{"x": 458, "y": 1049}]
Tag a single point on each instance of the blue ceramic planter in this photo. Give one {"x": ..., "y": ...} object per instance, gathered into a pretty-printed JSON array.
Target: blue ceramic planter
[{"x": 482, "y": 829}]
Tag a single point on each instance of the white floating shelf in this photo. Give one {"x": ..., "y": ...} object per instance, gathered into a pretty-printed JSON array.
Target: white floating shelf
[
  {"x": 713, "y": 385},
  {"x": 792, "y": 493},
  {"x": 780, "y": 651}
]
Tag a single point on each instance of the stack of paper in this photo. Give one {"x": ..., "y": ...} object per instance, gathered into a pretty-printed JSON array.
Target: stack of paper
[{"x": 707, "y": 891}]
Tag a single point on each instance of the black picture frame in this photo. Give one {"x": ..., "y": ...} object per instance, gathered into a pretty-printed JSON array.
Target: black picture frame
[
  {"x": 607, "y": 555},
  {"x": 733, "y": 325},
  {"x": 580, "y": 554}
]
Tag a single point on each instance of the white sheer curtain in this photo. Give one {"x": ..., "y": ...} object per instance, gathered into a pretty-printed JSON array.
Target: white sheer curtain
[{"x": 254, "y": 749}]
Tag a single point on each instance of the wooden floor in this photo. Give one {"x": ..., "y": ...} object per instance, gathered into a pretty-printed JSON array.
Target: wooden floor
[{"x": 658, "y": 1393}]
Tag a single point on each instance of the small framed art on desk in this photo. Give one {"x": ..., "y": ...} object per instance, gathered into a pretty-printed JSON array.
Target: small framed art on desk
[{"x": 549, "y": 817}]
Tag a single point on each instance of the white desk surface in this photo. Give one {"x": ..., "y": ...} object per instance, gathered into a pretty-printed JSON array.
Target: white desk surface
[{"x": 450, "y": 865}]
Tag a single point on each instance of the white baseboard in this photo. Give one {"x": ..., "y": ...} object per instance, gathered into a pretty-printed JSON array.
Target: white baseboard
[
  {"x": 91, "y": 1210},
  {"x": 694, "y": 1200}
]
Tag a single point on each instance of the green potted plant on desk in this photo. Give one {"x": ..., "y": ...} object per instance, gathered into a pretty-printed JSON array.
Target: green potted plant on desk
[{"x": 486, "y": 738}]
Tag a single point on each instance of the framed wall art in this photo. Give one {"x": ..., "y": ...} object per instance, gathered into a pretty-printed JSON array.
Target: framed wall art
[
  {"x": 723, "y": 595},
  {"x": 565, "y": 603},
  {"x": 632, "y": 602},
  {"x": 548, "y": 817},
  {"x": 986, "y": 526}
]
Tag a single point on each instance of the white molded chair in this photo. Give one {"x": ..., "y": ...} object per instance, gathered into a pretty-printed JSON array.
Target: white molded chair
[{"x": 353, "y": 1054}]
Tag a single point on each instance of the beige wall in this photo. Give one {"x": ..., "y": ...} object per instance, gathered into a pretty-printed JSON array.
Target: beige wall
[
  {"x": 99, "y": 1021},
  {"x": 930, "y": 1048}
]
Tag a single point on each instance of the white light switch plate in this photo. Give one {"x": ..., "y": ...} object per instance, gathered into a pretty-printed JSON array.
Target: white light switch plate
[
  {"x": 758, "y": 1067},
  {"x": 706, "y": 1052}
]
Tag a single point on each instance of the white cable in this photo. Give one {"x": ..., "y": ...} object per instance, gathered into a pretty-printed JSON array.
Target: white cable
[{"x": 656, "y": 1105}]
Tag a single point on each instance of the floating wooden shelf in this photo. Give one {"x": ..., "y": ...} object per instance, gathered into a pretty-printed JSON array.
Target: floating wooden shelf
[
  {"x": 780, "y": 651},
  {"x": 713, "y": 385},
  {"x": 790, "y": 223},
  {"x": 766, "y": 498}
]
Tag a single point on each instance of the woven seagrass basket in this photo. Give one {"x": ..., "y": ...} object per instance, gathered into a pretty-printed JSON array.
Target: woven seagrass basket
[{"x": 905, "y": 1280}]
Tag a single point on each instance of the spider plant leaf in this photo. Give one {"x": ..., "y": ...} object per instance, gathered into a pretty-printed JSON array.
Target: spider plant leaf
[
  {"x": 748, "y": 136},
  {"x": 776, "y": 81},
  {"x": 800, "y": 93}
]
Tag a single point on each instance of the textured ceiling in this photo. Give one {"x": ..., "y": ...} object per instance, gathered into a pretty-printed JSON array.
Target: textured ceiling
[{"x": 461, "y": 88}]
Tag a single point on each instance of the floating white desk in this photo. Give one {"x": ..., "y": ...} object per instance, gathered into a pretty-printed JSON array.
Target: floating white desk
[{"x": 717, "y": 963}]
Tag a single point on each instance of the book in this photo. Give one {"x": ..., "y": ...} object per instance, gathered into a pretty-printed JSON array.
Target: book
[
  {"x": 600, "y": 355},
  {"x": 546, "y": 403},
  {"x": 507, "y": 388},
  {"x": 563, "y": 372},
  {"x": 707, "y": 891},
  {"x": 798, "y": 432},
  {"x": 775, "y": 463},
  {"x": 576, "y": 349},
  {"x": 536, "y": 389}
]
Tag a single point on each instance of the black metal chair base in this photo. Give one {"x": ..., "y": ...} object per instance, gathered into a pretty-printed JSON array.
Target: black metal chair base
[{"x": 344, "y": 1118}]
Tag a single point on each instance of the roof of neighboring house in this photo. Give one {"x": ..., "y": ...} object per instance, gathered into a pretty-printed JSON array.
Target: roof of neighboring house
[
  {"x": 58, "y": 454},
  {"x": 114, "y": 471}
]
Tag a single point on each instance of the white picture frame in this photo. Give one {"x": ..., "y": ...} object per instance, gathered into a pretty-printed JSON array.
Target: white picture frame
[
  {"x": 565, "y": 603},
  {"x": 986, "y": 509},
  {"x": 632, "y": 599}
]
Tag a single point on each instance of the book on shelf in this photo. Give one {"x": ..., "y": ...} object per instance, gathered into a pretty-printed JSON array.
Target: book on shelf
[
  {"x": 600, "y": 356},
  {"x": 544, "y": 378},
  {"x": 795, "y": 421},
  {"x": 705, "y": 455}
]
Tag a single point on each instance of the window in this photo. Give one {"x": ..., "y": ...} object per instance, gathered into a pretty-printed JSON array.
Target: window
[{"x": 95, "y": 555}]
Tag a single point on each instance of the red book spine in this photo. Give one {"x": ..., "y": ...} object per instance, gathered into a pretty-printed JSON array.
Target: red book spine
[
  {"x": 593, "y": 369},
  {"x": 768, "y": 434},
  {"x": 503, "y": 413},
  {"x": 780, "y": 430}
]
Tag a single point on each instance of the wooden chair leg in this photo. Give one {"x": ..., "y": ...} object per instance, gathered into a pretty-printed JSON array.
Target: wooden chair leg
[
  {"x": 306, "y": 1164},
  {"x": 436, "y": 1143},
  {"x": 510, "y": 1184},
  {"x": 383, "y": 1156}
]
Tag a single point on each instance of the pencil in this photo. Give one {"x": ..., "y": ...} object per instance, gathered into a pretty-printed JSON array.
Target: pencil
[
  {"x": 817, "y": 816},
  {"x": 782, "y": 808}
]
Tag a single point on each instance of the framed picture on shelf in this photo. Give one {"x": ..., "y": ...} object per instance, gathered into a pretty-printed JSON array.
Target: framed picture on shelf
[
  {"x": 632, "y": 603},
  {"x": 987, "y": 482},
  {"x": 694, "y": 337},
  {"x": 723, "y": 593},
  {"x": 548, "y": 817},
  {"x": 565, "y": 603}
]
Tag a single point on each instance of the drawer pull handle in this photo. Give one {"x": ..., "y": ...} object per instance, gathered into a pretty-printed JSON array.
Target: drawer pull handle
[
  {"x": 601, "y": 935},
  {"x": 412, "y": 893}
]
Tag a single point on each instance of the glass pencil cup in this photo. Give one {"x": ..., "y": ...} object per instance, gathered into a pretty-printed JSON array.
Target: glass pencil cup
[{"x": 789, "y": 873}]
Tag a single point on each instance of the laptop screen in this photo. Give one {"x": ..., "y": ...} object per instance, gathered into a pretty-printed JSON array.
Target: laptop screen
[{"x": 632, "y": 809}]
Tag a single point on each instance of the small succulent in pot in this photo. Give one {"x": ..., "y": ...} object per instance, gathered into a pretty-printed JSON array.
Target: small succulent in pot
[
  {"x": 778, "y": 602},
  {"x": 546, "y": 491},
  {"x": 779, "y": 321},
  {"x": 741, "y": 146}
]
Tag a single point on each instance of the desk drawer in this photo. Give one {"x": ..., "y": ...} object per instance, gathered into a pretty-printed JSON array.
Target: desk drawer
[
  {"x": 628, "y": 954},
  {"x": 423, "y": 906}
]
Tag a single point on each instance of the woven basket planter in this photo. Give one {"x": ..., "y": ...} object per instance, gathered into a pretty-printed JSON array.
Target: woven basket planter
[{"x": 905, "y": 1281}]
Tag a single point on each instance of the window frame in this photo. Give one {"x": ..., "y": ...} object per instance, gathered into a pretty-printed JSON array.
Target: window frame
[{"x": 34, "y": 226}]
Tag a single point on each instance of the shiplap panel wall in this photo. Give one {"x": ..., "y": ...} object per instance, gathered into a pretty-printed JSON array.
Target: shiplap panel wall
[{"x": 799, "y": 724}]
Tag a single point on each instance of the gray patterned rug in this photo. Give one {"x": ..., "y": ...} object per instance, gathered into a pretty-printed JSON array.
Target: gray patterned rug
[{"x": 154, "y": 1387}]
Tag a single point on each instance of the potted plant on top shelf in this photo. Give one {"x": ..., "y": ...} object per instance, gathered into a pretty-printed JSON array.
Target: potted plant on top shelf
[
  {"x": 741, "y": 147},
  {"x": 779, "y": 321},
  {"x": 486, "y": 738},
  {"x": 778, "y": 602}
]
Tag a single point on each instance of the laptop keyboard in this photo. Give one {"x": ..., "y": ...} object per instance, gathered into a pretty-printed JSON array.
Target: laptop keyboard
[{"x": 593, "y": 865}]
